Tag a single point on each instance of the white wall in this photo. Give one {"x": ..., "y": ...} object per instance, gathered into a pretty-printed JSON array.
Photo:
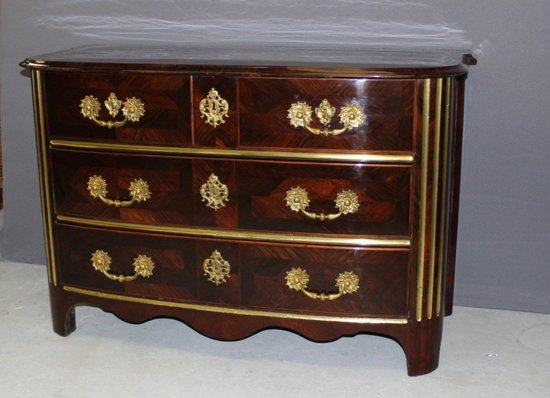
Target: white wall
[{"x": 504, "y": 233}]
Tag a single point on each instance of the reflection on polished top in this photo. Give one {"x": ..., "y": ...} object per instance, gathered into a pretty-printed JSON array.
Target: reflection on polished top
[{"x": 287, "y": 56}]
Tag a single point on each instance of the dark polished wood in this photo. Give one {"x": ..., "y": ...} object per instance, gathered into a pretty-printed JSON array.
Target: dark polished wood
[
  {"x": 167, "y": 112},
  {"x": 388, "y": 105},
  {"x": 456, "y": 165},
  {"x": 265, "y": 60},
  {"x": 407, "y": 190},
  {"x": 257, "y": 272},
  {"x": 257, "y": 191}
]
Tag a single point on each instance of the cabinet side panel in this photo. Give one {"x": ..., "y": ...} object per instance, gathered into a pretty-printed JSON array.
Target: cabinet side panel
[
  {"x": 42, "y": 155},
  {"x": 454, "y": 186}
]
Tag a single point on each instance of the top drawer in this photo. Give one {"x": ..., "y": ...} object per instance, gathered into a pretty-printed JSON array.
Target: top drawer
[
  {"x": 335, "y": 114},
  {"x": 324, "y": 114},
  {"x": 120, "y": 107}
]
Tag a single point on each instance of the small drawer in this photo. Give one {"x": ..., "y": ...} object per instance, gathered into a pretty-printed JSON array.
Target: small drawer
[
  {"x": 135, "y": 188},
  {"x": 292, "y": 278},
  {"x": 329, "y": 114},
  {"x": 132, "y": 108},
  {"x": 127, "y": 263}
]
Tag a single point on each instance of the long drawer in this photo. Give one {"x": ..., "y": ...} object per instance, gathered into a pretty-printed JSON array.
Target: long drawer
[
  {"x": 143, "y": 109},
  {"x": 320, "y": 198},
  {"x": 346, "y": 115},
  {"x": 319, "y": 280}
]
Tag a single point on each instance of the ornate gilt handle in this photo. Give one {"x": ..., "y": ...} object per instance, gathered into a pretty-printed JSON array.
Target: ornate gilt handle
[
  {"x": 214, "y": 108},
  {"x": 139, "y": 191},
  {"x": 216, "y": 268},
  {"x": 214, "y": 193},
  {"x": 351, "y": 116},
  {"x": 143, "y": 266},
  {"x": 132, "y": 109},
  {"x": 298, "y": 200},
  {"x": 346, "y": 282}
]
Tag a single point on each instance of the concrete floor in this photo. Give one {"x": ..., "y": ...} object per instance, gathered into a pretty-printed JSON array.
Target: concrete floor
[{"x": 485, "y": 353}]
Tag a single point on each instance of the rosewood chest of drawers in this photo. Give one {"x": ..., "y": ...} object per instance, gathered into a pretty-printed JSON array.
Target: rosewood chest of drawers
[{"x": 237, "y": 190}]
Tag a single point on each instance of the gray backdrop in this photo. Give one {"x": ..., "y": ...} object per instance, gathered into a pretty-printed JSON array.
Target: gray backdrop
[{"x": 504, "y": 238}]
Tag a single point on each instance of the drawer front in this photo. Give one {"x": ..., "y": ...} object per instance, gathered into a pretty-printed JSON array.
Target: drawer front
[
  {"x": 307, "y": 197},
  {"x": 136, "y": 188},
  {"x": 162, "y": 267},
  {"x": 291, "y": 113},
  {"x": 247, "y": 195},
  {"x": 119, "y": 107},
  {"x": 254, "y": 276},
  {"x": 293, "y": 278}
]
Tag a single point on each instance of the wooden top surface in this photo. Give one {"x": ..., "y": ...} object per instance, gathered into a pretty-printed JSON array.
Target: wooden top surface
[{"x": 261, "y": 60}]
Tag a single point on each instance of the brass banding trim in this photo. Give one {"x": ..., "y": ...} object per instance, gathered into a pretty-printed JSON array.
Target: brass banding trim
[
  {"x": 423, "y": 197},
  {"x": 235, "y": 311},
  {"x": 238, "y": 234},
  {"x": 435, "y": 185},
  {"x": 36, "y": 79},
  {"x": 241, "y": 153}
]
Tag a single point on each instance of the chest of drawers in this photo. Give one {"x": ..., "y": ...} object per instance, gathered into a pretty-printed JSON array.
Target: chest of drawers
[{"x": 240, "y": 190}]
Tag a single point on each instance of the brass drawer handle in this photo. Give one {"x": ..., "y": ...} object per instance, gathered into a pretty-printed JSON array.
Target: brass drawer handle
[
  {"x": 298, "y": 200},
  {"x": 346, "y": 282},
  {"x": 139, "y": 191},
  {"x": 216, "y": 268},
  {"x": 214, "y": 108},
  {"x": 351, "y": 116},
  {"x": 143, "y": 266},
  {"x": 132, "y": 109},
  {"x": 214, "y": 193}
]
